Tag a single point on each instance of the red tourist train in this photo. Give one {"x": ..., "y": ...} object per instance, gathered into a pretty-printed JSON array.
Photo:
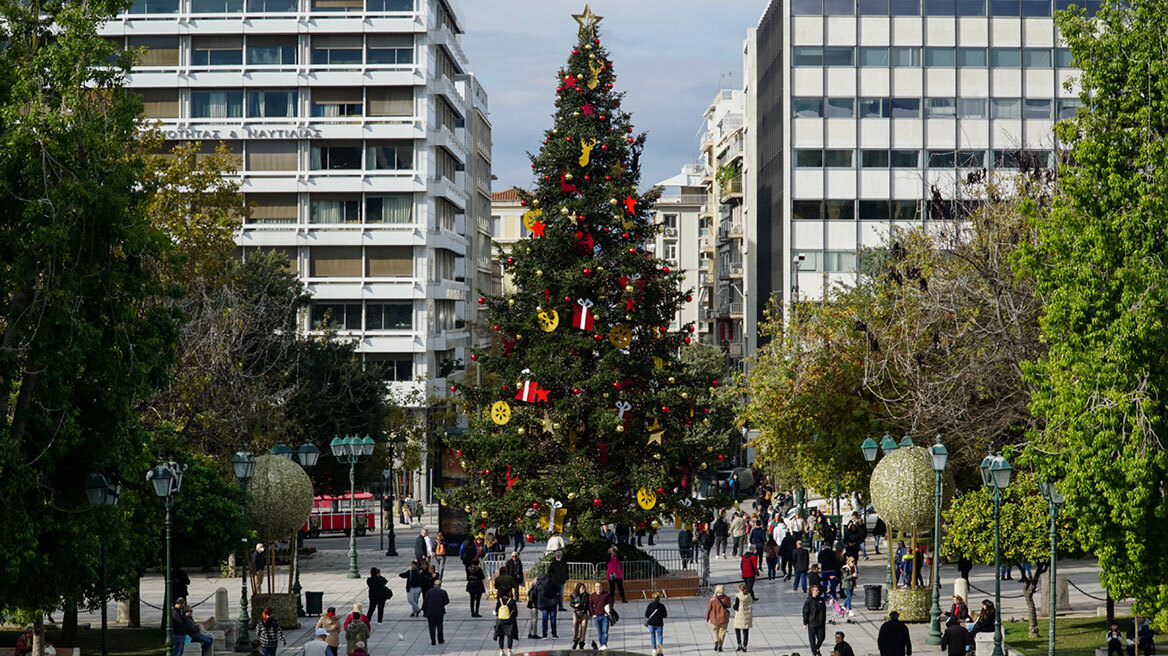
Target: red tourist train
[{"x": 331, "y": 514}]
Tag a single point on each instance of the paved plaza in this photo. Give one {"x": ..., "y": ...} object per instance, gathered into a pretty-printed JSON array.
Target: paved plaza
[{"x": 778, "y": 627}]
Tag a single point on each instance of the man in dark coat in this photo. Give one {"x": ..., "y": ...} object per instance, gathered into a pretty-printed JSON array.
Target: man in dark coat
[
  {"x": 854, "y": 535},
  {"x": 787, "y": 555},
  {"x": 956, "y": 637},
  {"x": 423, "y": 547},
  {"x": 841, "y": 646},
  {"x": 434, "y": 608},
  {"x": 721, "y": 534},
  {"x": 828, "y": 568},
  {"x": 814, "y": 619},
  {"x": 757, "y": 537},
  {"x": 685, "y": 546},
  {"x": 893, "y": 639},
  {"x": 801, "y": 559},
  {"x": 558, "y": 571},
  {"x": 514, "y": 567}
]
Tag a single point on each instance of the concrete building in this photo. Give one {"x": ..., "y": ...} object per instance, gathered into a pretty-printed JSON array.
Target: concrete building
[
  {"x": 678, "y": 213},
  {"x": 365, "y": 149},
  {"x": 864, "y": 106},
  {"x": 506, "y": 229}
]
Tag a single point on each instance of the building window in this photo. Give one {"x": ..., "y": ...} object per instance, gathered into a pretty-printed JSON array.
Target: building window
[
  {"x": 1005, "y": 57},
  {"x": 217, "y": 104},
  {"x": 389, "y": 261},
  {"x": 807, "y": 107},
  {"x": 392, "y": 49},
  {"x": 670, "y": 221},
  {"x": 337, "y": 5},
  {"x": 393, "y": 208},
  {"x": 939, "y": 57},
  {"x": 153, "y": 7},
  {"x": 839, "y": 108},
  {"x": 216, "y": 6},
  {"x": 905, "y": 210},
  {"x": 272, "y": 208},
  {"x": 904, "y": 159},
  {"x": 272, "y": 6},
  {"x": 808, "y": 159},
  {"x": 1062, "y": 58},
  {"x": 839, "y": 210},
  {"x": 1005, "y": 8},
  {"x": 159, "y": 103},
  {"x": 334, "y": 262},
  {"x": 390, "y": 101},
  {"x": 671, "y": 253},
  {"x": 1037, "y": 58},
  {"x": 839, "y": 7},
  {"x": 873, "y": 210},
  {"x": 971, "y": 108},
  {"x": 336, "y": 102},
  {"x": 1092, "y": 6},
  {"x": 443, "y": 264},
  {"x": 216, "y": 51},
  {"x": 333, "y": 50},
  {"x": 872, "y": 7},
  {"x": 389, "y": 155},
  {"x": 340, "y": 316},
  {"x": 808, "y": 261},
  {"x": 1018, "y": 159},
  {"x": 826, "y": 56},
  {"x": 389, "y": 5},
  {"x": 838, "y": 159},
  {"x": 334, "y": 210},
  {"x": 971, "y": 7},
  {"x": 389, "y": 316},
  {"x": 1037, "y": 108},
  {"x": 941, "y": 159},
  {"x": 1068, "y": 107},
  {"x": 445, "y": 213},
  {"x": 873, "y": 108},
  {"x": 970, "y": 159},
  {"x": 807, "y": 7},
  {"x": 157, "y": 50},
  {"x": 874, "y": 159},
  {"x": 839, "y": 262},
  {"x": 811, "y": 210},
  {"x": 906, "y": 107},
  {"x": 1035, "y": 8},
  {"x": 271, "y": 51},
  {"x": 940, "y": 108},
  {"x": 271, "y": 103},
  {"x": 336, "y": 157},
  {"x": 905, "y": 7},
  {"x": 393, "y": 368},
  {"x": 903, "y": 56},
  {"x": 938, "y": 7},
  {"x": 873, "y": 56},
  {"x": 445, "y": 165},
  {"x": 1005, "y": 108},
  {"x": 971, "y": 57},
  {"x": 275, "y": 155}
]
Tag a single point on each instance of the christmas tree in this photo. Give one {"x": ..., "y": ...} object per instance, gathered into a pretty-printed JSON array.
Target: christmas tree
[{"x": 585, "y": 414}]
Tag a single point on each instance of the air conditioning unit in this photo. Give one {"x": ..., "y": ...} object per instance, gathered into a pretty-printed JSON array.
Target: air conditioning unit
[
  {"x": 671, "y": 232},
  {"x": 707, "y": 313}
]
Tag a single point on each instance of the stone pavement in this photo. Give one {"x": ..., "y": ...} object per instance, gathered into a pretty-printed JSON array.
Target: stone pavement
[{"x": 777, "y": 628}]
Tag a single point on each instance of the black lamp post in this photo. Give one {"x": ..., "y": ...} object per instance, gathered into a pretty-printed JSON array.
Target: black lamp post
[
  {"x": 870, "y": 450},
  {"x": 350, "y": 451},
  {"x": 167, "y": 480},
  {"x": 243, "y": 466},
  {"x": 995, "y": 474},
  {"x": 103, "y": 490},
  {"x": 1054, "y": 498},
  {"x": 938, "y": 456},
  {"x": 307, "y": 456}
]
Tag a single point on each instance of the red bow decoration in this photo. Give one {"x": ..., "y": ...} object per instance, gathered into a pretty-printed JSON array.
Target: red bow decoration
[
  {"x": 584, "y": 242},
  {"x": 508, "y": 346},
  {"x": 567, "y": 187},
  {"x": 631, "y": 205},
  {"x": 510, "y": 481}
]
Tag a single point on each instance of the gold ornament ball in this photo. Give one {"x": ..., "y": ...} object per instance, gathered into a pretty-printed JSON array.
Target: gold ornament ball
[
  {"x": 628, "y": 317},
  {"x": 702, "y": 466},
  {"x": 556, "y": 425},
  {"x": 462, "y": 463},
  {"x": 592, "y": 55},
  {"x": 563, "y": 210},
  {"x": 685, "y": 395},
  {"x": 683, "y": 276},
  {"x": 600, "y": 269},
  {"x": 709, "y": 449},
  {"x": 620, "y": 428},
  {"x": 571, "y": 495},
  {"x": 466, "y": 509},
  {"x": 555, "y": 130},
  {"x": 606, "y": 395},
  {"x": 575, "y": 114},
  {"x": 902, "y": 487},
  {"x": 656, "y": 456},
  {"x": 521, "y": 430},
  {"x": 518, "y": 337},
  {"x": 661, "y": 228},
  {"x": 539, "y": 308},
  {"x": 443, "y": 503},
  {"x": 535, "y": 202},
  {"x": 613, "y": 201},
  {"x": 483, "y": 514},
  {"x": 538, "y": 273},
  {"x": 568, "y": 177},
  {"x": 629, "y": 289},
  {"x": 655, "y": 523},
  {"x": 672, "y": 380},
  {"x": 511, "y": 302},
  {"x": 588, "y": 46}
]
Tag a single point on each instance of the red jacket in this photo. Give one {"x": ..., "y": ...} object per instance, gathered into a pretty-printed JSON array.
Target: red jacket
[{"x": 749, "y": 565}]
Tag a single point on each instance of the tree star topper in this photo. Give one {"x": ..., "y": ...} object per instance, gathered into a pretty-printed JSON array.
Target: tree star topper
[{"x": 587, "y": 20}]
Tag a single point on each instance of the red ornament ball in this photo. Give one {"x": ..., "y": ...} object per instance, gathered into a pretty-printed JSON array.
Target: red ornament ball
[
  {"x": 689, "y": 298},
  {"x": 631, "y": 140},
  {"x": 691, "y": 329},
  {"x": 567, "y": 299},
  {"x": 663, "y": 329},
  {"x": 587, "y": 178},
  {"x": 535, "y": 504},
  {"x": 624, "y": 235},
  {"x": 482, "y": 300},
  {"x": 596, "y": 41},
  {"x": 505, "y": 387},
  {"x": 602, "y": 147},
  {"x": 575, "y": 52},
  {"x": 632, "y": 250},
  {"x": 616, "y": 384},
  {"x": 510, "y": 260},
  {"x": 687, "y": 339},
  {"x": 713, "y": 383},
  {"x": 630, "y": 130},
  {"x": 597, "y": 337},
  {"x": 665, "y": 269},
  {"x": 587, "y": 271},
  {"x": 660, "y": 490},
  {"x": 664, "y": 408},
  {"x": 706, "y": 410},
  {"x": 610, "y": 85},
  {"x": 603, "y": 117},
  {"x": 596, "y": 502},
  {"x": 474, "y": 357},
  {"x": 546, "y": 177},
  {"x": 523, "y": 203},
  {"x": 608, "y": 177},
  {"x": 495, "y": 327},
  {"x": 487, "y": 472},
  {"x": 482, "y": 524},
  {"x": 575, "y": 390},
  {"x": 569, "y": 138},
  {"x": 544, "y": 143},
  {"x": 719, "y": 457}
]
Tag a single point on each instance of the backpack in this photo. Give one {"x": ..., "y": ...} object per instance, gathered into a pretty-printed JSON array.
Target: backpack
[
  {"x": 440, "y": 550},
  {"x": 505, "y": 612}
]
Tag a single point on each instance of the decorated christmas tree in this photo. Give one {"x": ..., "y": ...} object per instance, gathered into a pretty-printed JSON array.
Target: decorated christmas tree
[{"x": 584, "y": 414}]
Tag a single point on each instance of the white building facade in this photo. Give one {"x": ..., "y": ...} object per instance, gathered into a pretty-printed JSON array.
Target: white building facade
[
  {"x": 677, "y": 215},
  {"x": 365, "y": 150},
  {"x": 864, "y": 107}
]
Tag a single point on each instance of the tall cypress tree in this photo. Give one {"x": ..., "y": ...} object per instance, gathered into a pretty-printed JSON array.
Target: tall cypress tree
[{"x": 583, "y": 398}]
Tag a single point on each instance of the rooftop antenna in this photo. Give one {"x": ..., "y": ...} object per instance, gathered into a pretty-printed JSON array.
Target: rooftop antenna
[{"x": 722, "y": 79}]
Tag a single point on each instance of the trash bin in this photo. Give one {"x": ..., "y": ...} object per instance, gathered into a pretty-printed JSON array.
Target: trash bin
[
  {"x": 872, "y": 597},
  {"x": 314, "y": 603}
]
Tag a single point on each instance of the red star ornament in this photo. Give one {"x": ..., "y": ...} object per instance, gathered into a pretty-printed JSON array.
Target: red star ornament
[
  {"x": 570, "y": 82},
  {"x": 629, "y": 303},
  {"x": 631, "y": 205},
  {"x": 586, "y": 109},
  {"x": 537, "y": 229}
]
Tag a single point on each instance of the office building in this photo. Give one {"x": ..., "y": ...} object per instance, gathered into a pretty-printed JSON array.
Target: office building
[
  {"x": 364, "y": 142},
  {"x": 677, "y": 215}
]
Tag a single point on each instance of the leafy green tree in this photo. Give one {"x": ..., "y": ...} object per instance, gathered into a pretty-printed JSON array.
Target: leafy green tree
[
  {"x": 806, "y": 395},
  {"x": 1025, "y": 533},
  {"x": 1101, "y": 266},
  {"x": 606, "y": 352},
  {"x": 83, "y": 336}
]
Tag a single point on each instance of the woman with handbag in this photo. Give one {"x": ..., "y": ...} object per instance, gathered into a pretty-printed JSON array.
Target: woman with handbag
[
  {"x": 718, "y": 615},
  {"x": 655, "y": 616},
  {"x": 616, "y": 575},
  {"x": 580, "y": 615},
  {"x": 440, "y": 556},
  {"x": 743, "y": 616}
]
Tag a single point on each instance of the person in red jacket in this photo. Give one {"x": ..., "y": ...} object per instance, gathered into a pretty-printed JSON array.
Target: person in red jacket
[{"x": 750, "y": 570}]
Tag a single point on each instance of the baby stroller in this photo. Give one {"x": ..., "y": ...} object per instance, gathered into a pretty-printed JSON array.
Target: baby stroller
[{"x": 839, "y": 612}]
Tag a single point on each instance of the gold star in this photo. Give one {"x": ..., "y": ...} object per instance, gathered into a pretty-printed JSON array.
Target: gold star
[
  {"x": 587, "y": 20},
  {"x": 656, "y": 437},
  {"x": 547, "y": 423}
]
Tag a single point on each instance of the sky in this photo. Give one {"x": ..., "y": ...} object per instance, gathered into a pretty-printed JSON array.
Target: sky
[{"x": 670, "y": 57}]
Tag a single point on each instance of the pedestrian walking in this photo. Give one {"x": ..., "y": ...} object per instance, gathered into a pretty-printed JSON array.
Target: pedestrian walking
[
  {"x": 771, "y": 551},
  {"x": 815, "y": 619},
  {"x": 829, "y": 566},
  {"x": 616, "y": 575},
  {"x": 360, "y": 649},
  {"x": 841, "y": 647},
  {"x": 893, "y": 638},
  {"x": 848, "y": 575},
  {"x": 423, "y": 547},
  {"x": 555, "y": 543},
  {"x": 434, "y": 609},
  {"x": 603, "y": 615},
  {"x": 548, "y": 603},
  {"x": 558, "y": 571},
  {"x": 475, "y": 586},
  {"x": 718, "y": 615},
  {"x": 271, "y": 635},
  {"x": 854, "y": 535},
  {"x": 357, "y": 627},
  {"x": 737, "y": 534},
  {"x": 440, "y": 555},
  {"x": 503, "y": 581},
  {"x": 964, "y": 566},
  {"x": 580, "y": 615},
  {"x": 413, "y": 577},
  {"x": 757, "y": 536},
  {"x": 801, "y": 561},
  {"x": 318, "y": 646},
  {"x": 506, "y": 620},
  {"x": 787, "y": 556},
  {"x": 956, "y": 639},
  {"x": 750, "y": 571},
  {"x": 331, "y": 625},
  {"x": 685, "y": 545},
  {"x": 258, "y": 561},
  {"x": 427, "y": 574},
  {"x": 514, "y": 567},
  {"x": 655, "y": 616},
  {"x": 743, "y": 616},
  {"x": 721, "y": 534},
  {"x": 533, "y": 615},
  {"x": 379, "y": 593},
  {"x": 879, "y": 530}
]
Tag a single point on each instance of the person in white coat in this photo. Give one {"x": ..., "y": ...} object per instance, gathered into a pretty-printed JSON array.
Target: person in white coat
[
  {"x": 555, "y": 543},
  {"x": 780, "y": 531}
]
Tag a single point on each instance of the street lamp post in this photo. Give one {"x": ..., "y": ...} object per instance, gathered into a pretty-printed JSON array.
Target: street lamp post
[
  {"x": 103, "y": 490},
  {"x": 350, "y": 451},
  {"x": 1054, "y": 498},
  {"x": 995, "y": 474},
  {"x": 243, "y": 465},
  {"x": 939, "y": 456},
  {"x": 870, "y": 450},
  {"x": 307, "y": 455},
  {"x": 167, "y": 480}
]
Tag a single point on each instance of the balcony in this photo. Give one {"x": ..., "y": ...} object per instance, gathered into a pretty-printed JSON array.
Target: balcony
[
  {"x": 706, "y": 211},
  {"x": 732, "y": 189},
  {"x": 735, "y": 269},
  {"x": 706, "y": 313},
  {"x": 736, "y": 350},
  {"x": 708, "y": 140},
  {"x": 736, "y": 309},
  {"x": 705, "y": 244},
  {"x": 735, "y": 231}
]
